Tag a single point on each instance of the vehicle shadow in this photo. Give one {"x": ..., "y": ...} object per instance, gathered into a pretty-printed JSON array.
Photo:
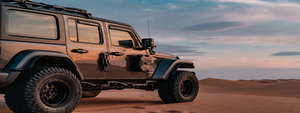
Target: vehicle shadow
[{"x": 92, "y": 104}]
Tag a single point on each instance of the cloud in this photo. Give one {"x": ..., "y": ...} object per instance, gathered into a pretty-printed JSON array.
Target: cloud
[
  {"x": 249, "y": 11},
  {"x": 191, "y": 54},
  {"x": 229, "y": 39},
  {"x": 262, "y": 14},
  {"x": 152, "y": 10},
  {"x": 190, "y": 0},
  {"x": 223, "y": 6},
  {"x": 260, "y": 10},
  {"x": 178, "y": 50},
  {"x": 251, "y": 40},
  {"x": 173, "y": 7},
  {"x": 214, "y": 26},
  {"x": 207, "y": 39},
  {"x": 235, "y": 73},
  {"x": 286, "y": 54},
  {"x": 168, "y": 40},
  {"x": 117, "y": 0},
  {"x": 262, "y": 3}
]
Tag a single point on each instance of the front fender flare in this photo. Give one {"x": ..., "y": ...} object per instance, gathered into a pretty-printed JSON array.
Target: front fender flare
[{"x": 169, "y": 66}]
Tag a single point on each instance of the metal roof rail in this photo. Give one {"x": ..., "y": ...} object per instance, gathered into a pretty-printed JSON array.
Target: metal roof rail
[{"x": 29, "y": 4}]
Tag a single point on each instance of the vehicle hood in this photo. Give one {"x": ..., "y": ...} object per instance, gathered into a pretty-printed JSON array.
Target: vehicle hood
[{"x": 164, "y": 55}]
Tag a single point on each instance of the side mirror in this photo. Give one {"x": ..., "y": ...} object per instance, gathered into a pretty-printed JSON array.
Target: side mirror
[{"x": 147, "y": 42}]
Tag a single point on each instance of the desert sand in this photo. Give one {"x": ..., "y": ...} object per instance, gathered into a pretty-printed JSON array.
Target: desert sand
[{"x": 215, "y": 96}]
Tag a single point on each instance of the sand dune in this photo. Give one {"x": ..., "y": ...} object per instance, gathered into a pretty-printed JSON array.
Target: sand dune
[
  {"x": 215, "y": 96},
  {"x": 280, "y": 88},
  {"x": 212, "y": 85}
]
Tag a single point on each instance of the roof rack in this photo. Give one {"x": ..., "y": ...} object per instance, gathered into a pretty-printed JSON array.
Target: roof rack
[{"x": 28, "y": 4}]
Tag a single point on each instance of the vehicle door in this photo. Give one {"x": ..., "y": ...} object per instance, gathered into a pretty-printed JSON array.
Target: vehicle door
[
  {"x": 123, "y": 57},
  {"x": 85, "y": 44}
]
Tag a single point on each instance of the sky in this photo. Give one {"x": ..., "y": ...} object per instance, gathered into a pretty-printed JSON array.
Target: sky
[{"x": 226, "y": 39}]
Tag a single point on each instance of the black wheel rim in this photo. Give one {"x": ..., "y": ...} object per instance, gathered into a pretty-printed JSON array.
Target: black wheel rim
[
  {"x": 55, "y": 93},
  {"x": 186, "y": 88}
]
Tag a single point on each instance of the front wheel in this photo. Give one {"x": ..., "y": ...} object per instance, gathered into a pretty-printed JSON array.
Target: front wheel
[
  {"x": 183, "y": 86},
  {"x": 44, "y": 90}
]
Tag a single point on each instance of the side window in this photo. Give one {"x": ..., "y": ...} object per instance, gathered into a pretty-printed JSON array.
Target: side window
[
  {"x": 122, "y": 38},
  {"x": 81, "y": 32},
  {"x": 31, "y": 24},
  {"x": 72, "y": 30}
]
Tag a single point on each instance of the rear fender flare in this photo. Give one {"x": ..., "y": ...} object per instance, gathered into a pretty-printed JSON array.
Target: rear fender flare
[{"x": 26, "y": 59}]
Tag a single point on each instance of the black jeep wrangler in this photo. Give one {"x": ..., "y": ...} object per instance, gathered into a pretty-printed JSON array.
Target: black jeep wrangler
[{"x": 52, "y": 56}]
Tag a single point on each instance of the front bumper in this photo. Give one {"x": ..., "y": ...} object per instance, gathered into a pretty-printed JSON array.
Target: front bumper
[{"x": 7, "y": 78}]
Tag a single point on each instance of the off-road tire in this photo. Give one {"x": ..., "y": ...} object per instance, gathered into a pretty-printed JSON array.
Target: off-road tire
[
  {"x": 34, "y": 89},
  {"x": 183, "y": 86},
  {"x": 90, "y": 93}
]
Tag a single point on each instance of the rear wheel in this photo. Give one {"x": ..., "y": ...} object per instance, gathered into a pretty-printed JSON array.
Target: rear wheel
[
  {"x": 183, "y": 86},
  {"x": 50, "y": 89},
  {"x": 90, "y": 93}
]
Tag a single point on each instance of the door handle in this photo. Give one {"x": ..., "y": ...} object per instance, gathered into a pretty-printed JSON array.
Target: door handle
[
  {"x": 117, "y": 53},
  {"x": 80, "y": 51}
]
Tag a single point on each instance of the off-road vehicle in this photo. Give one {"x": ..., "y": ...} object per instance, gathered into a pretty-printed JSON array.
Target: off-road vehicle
[{"x": 52, "y": 56}]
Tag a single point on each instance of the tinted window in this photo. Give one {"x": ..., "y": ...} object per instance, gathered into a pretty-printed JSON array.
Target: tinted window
[
  {"x": 72, "y": 30},
  {"x": 86, "y": 33},
  {"x": 31, "y": 24},
  {"x": 121, "y": 38}
]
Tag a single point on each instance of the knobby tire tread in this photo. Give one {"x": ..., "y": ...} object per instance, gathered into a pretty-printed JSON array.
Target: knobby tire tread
[{"x": 20, "y": 94}]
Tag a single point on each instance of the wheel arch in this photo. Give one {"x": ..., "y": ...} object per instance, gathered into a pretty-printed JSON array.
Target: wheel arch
[
  {"x": 29, "y": 59},
  {"x": 168, "y": 67}
]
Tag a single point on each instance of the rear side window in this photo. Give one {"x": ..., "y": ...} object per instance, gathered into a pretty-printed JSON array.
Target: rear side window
[
  {"x": 83, "y": 32},
  {"x": 32, "y": 25}
]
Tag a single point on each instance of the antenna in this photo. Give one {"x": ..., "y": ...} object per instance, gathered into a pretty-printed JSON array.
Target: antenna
[{"x": 148, "y": 28}]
